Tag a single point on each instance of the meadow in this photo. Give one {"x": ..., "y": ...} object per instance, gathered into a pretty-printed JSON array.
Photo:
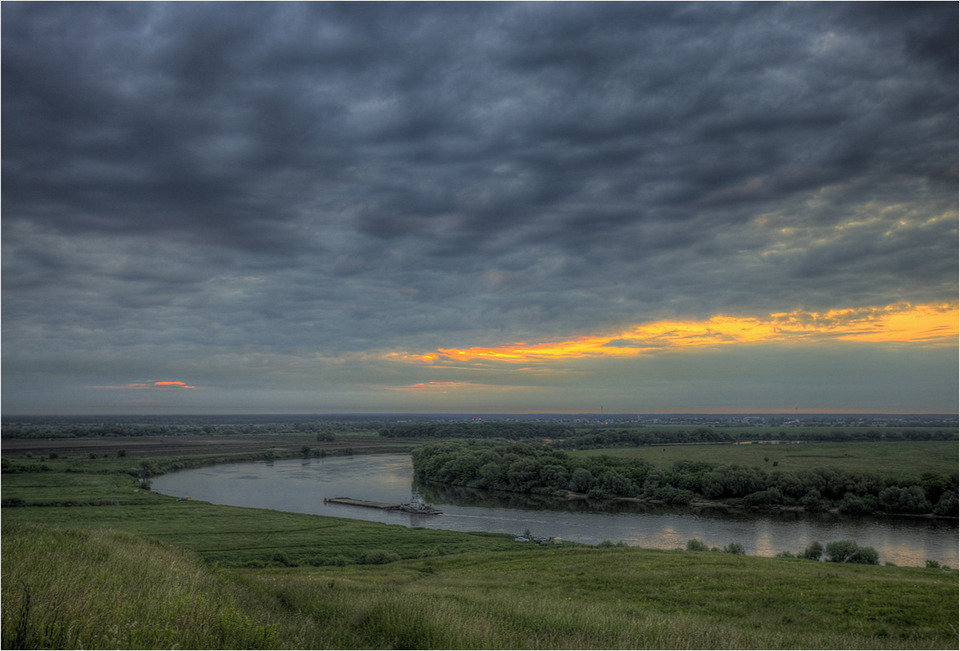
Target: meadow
[
  {"x": 95, "y": 561},
  {"x": 895, "y": 459},
  {"x": 95, "y": 588}
]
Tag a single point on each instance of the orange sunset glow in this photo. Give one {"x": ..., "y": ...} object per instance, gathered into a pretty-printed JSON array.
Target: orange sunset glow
[
  {"x": 899, "y": 323},
  {"x": 164, "y": 384}
]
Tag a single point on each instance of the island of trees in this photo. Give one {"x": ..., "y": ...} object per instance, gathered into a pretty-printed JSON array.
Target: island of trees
[{"x": 539, "y": 469}]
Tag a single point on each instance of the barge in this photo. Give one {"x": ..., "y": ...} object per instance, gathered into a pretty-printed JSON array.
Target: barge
[{"x": 415, "y": 505}]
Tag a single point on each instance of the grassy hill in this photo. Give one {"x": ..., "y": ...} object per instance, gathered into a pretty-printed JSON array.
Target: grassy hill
[{"x": 105, "y": 589}]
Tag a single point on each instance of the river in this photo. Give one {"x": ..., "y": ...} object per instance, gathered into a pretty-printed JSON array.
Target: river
[{"x": 301, "y": 485}]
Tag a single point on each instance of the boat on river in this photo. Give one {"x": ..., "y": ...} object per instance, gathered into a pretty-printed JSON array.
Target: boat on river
[{"x": 415, "y": 505}]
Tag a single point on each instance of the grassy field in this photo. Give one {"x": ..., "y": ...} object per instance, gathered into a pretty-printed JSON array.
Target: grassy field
[
  {"x": 236, "y": 536},
  {"x": 165, "y": 446},
  {"x": 900, "y": 459},
  {"x": 127, "y": 568},
  {"x": 103, "y": 589}
]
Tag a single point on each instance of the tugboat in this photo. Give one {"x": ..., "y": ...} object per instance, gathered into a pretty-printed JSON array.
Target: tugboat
[{"x": 417, "y": 505}]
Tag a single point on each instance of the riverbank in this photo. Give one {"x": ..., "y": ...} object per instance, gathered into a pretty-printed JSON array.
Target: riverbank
[{"x": 725, "y": 506}]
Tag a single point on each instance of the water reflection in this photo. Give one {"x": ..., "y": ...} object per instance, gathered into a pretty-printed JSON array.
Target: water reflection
[{"x": 301, "y": 486}]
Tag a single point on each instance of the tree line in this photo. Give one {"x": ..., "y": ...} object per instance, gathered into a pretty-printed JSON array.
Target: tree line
[
  {"x": 540, "y": 469},
  {"x": 324, "y": 431},
  {"x": 611, "y": 438},
  {"x": 484, "y": 430}
]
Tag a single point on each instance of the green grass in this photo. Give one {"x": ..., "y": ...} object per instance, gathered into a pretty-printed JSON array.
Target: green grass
[
  {"x": 141, "y": 570},
  {"x": 899, "y": 459},
  {"x": 62, "y": 488},
  {"x": 236, "y": 536},
  {"x": 102, "y": 589},
  {"x": 626, "y": 598}
]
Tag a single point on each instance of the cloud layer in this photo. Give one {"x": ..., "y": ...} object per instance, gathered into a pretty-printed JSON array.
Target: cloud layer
[{"x": 256, "y": 192}]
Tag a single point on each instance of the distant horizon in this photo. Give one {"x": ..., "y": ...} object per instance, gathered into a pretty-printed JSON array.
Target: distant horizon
[{"x": 480, "y": 414}]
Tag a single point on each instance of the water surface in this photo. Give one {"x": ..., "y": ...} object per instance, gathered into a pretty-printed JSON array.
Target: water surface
[{"x": 301, "y": 486}]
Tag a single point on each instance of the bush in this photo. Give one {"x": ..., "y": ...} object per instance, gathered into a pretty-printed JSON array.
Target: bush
[
  {"x": 785, "y": 555},
  {"x": 847, "y": 551},
  {"x": 379, "y": 557},
  {"x": 681, "y": 497},
  {"x": 695, "y": 545},
  {"x": 904, "y": 500},
  {"x": 813, "y": 552},
  {"x": 854, "y": 505},
  {"x": 865, "y": 556},
  {"x": 814, "y": 502},
  {"x": 947, "y": 504},
  {"x": 769, "y": 497},
  {"x": 839, "y": 551},
  {"x": 281, "y": 558},
  {"x": 734, "y": 548},
  {"x": 597, "y": 493}
]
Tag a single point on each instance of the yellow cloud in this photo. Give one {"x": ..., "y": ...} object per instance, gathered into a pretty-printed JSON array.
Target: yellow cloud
[
  {"x": 899, "y": 323},
  {"x": 450, "y": 387}
]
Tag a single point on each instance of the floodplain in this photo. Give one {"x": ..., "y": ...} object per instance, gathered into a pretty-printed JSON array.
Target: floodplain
[{"x": 96, "y": 560}]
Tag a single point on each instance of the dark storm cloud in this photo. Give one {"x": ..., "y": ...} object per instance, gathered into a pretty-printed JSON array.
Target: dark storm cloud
[{"x": 310, "y": 177}]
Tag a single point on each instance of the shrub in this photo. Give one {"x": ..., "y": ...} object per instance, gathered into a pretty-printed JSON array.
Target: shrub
[
  {"x": 581, "y": 480},
  {"x": 695, "y": 545},
  {"x": 379, "y": 557},
  {"x": 121, "y": 453},
  {"x": 947, "y": 504},
  {"x": 785, "y": 555},
  {"x": 904, "y": 500},
  {"x": 847, "y": 551},
  {"x": 839, "y": 551},
  {"x": 814, "y": 502},
  {"x": 597, "y": 493},
  {"x": 681, "y": 497},
  {"x": 854, "y": 505},
  {"x": 813, "y": 552},
  {"x": 769, "y": 497},
  {"x": 734, "y": 548},
  {"x": 932, "y": 565},
  {"x": 281, "y": 558},
  {"x": 865, "y": 556}
]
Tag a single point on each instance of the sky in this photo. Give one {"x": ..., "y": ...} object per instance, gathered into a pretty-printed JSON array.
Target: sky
[{"x": 479, "y": 207}]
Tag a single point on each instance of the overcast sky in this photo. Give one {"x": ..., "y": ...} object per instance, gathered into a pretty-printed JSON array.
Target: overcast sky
[{"x": 310, "y": 207}]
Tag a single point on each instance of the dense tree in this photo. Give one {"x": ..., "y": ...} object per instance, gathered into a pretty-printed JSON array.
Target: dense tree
[
  {"x": 537, "y": 468},
  {"x": 947, "y": 505},
  {"x": 581, "y": 480}
]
